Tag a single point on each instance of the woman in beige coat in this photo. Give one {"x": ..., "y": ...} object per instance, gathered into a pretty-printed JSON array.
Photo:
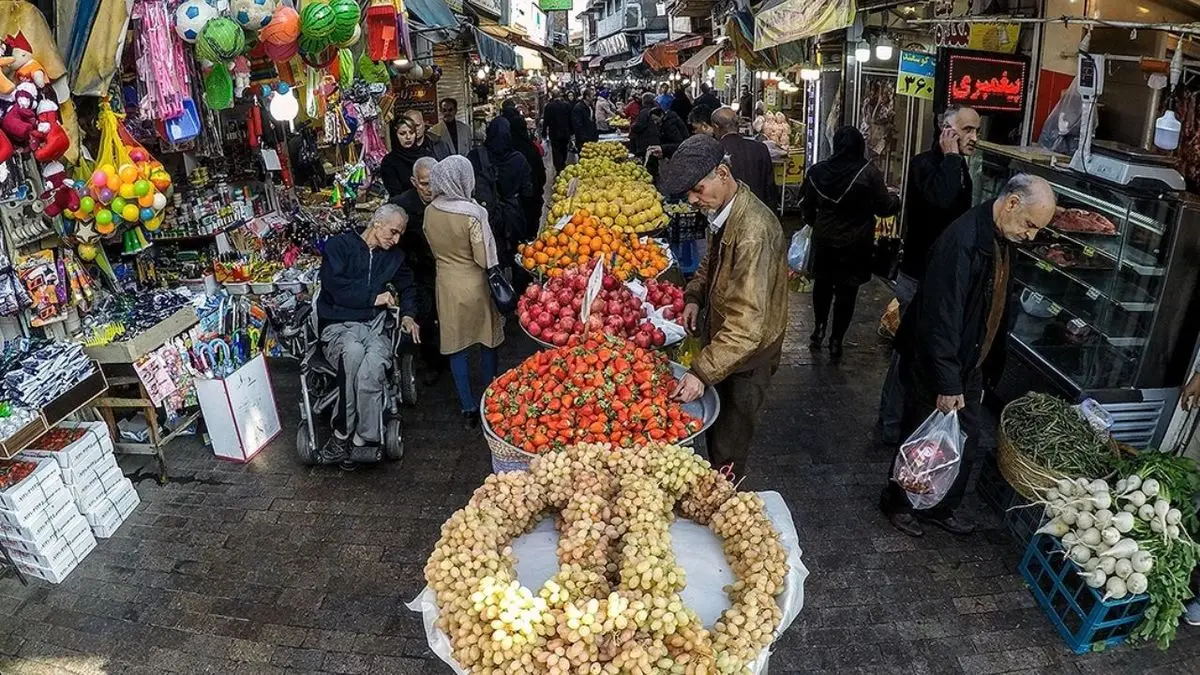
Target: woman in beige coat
[{"x": 462, "y": 243}]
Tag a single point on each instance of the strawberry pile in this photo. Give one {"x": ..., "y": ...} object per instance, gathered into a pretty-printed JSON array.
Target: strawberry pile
[
  {"x": 551, "y": 312},
  {"x": 595, "y": 389},
  {"x": 13, "y": 472}
]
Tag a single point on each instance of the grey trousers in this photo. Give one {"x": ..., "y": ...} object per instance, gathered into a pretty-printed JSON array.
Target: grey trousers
[
  {"x": 362, "y": 355},
  {"x": 891, "y": 399}
]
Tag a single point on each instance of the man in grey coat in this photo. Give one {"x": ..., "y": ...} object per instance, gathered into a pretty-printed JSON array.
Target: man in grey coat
[{"x": 453, "y": 137}]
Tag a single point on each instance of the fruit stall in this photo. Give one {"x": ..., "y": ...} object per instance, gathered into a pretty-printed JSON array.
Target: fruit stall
[
  {"x": 1110, "y": 545},
  {"x": 577, "y": 565}
]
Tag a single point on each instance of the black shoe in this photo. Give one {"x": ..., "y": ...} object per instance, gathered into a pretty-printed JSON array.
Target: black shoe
[
  {"x": 470, "y": 419},
  {"x": 817, "y": 338},
  {"x": 906, "y": 523},
  {"x": 335, "y": 450},
  {"x": 431, "y": 377},
  {"x": 953, "y": 524},
  {"x": 835, "y": 349},
  {"x": 347, "y": 465}
]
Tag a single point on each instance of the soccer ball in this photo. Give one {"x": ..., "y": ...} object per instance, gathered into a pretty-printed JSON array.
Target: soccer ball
[
  {"x": 252, "y": 14},
  {"x": 190, "y": 18}
]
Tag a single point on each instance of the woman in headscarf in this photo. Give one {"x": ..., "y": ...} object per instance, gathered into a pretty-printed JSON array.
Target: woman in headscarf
[
  {"x": 502, "y": 177},
  {"x": 522, "y": 143},
  {"x": 462, "y": 243},
  {"x": 840, "y": 199},
  {"x": 396, "y": 169},
  {"x": 682, "y": 104}
]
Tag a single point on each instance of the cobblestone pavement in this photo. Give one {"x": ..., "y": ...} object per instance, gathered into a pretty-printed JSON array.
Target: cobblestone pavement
[{"x": 272, "y": 566}]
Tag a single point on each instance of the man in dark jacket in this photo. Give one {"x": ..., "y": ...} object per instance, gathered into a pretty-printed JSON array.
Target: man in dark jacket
[
  {"x": 707, "y": 97},
  {"x": 423, "y": 264},
  {"x": 583, "y": 119},
  {"x": 746, "y": 104},
  {"x": 956, "y": 318},
  {"x": 939, "y": 191},
  {"x": 556, "y": 126},
  {"x": 358, "y": 275},
  {"x": 750, "y": 159},
  {"x": 656, "y": 133}
]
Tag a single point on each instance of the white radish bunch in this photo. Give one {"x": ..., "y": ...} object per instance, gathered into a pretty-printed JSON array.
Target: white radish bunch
[{"x": 1145, "y": 500}]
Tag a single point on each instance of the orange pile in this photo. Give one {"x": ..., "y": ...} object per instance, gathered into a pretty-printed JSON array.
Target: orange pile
[{"x": 585, "y": 238}]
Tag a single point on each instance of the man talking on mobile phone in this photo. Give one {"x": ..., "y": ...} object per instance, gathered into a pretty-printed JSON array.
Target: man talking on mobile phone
[{"x": 939, "y": 191}]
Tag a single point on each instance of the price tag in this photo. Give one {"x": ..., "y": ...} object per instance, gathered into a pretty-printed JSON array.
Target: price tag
[
  {"x": 1089, "y": 252},
  {"x": 1045, "y": 266},
  {"x": 1093, "y": 294},
  {"x": 572, "y": 187},
  {"x": 595, "y": 283},
  {"x": 1036, "y": 298},
  {"x": 1054, "y": 309},
  {"x": 562, "y": 222}
]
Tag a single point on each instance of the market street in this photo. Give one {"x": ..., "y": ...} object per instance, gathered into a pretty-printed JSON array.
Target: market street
[{"x": 271, "y": 565}]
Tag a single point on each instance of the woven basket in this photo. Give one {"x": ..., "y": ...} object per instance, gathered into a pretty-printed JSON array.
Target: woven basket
[
  {"x": 1029, "y": 478},
  {"x": 505, "y": 455}
]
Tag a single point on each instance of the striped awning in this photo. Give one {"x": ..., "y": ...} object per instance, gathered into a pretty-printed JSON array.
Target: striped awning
[
  {"x": 493, "y": 51},
  {"x": 699, "y": 60}
]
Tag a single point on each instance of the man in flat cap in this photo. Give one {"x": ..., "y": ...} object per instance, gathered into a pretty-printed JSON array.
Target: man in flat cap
[{"x": 741, "y": 286}]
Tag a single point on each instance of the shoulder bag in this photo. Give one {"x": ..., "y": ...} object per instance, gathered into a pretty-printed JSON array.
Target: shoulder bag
[{"x": 503, "y": 295}]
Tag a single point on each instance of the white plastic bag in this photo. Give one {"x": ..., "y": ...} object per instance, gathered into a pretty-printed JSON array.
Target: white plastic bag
[
  {"x": 928, "y": 461},
  {"x": 799, "y": 248},
  {"x": 671, "y": 330}
]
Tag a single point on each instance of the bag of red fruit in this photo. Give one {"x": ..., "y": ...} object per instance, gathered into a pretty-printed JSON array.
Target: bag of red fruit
[{"x": 928, "y": 462}]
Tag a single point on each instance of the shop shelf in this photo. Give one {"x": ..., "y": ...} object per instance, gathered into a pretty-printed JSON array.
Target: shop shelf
[{"x": 1082, "y": 617}]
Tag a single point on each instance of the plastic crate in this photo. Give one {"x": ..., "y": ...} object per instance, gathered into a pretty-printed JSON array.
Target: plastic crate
[
  {"x": 1080, "y": 614},
  {"x": 686, "y": 227},
  {"x": 1020, "y": 517}
]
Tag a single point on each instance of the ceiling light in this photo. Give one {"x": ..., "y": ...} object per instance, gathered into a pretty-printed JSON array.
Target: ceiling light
[
  {"x": 862, "y": 52},
  {"x": 883, "y": 48}
]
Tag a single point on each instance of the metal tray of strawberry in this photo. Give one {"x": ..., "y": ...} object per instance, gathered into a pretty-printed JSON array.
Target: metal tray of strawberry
[{"x": 595, "y": 389}]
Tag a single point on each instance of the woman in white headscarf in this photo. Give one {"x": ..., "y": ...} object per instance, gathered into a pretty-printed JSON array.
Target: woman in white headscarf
[{"x": 462, "y": 243}]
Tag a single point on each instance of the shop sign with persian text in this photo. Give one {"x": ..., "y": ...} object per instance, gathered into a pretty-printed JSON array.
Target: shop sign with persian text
[{"x": 915, "y": 75}]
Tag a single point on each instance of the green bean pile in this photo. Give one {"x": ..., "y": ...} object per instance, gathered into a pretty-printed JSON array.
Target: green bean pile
[{"x": 1047, "y": 430}]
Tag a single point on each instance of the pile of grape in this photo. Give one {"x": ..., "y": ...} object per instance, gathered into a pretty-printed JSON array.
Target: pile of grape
[{"x": 613, "y": 608}]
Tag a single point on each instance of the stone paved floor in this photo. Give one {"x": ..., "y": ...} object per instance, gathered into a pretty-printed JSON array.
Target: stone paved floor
[{"x": 272, "y": 566}]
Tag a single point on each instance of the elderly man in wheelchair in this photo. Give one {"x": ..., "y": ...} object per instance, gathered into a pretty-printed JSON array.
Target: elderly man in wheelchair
[{"x": 365, "y": 283}]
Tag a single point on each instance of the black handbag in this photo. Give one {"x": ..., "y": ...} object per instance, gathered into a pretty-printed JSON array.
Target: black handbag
[{"x": 503, "y": 294}]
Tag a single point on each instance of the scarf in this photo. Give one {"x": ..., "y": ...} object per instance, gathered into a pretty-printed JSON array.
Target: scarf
[
  {"x": 452, "y": 182},
  {"x": 833, "y": 177}
]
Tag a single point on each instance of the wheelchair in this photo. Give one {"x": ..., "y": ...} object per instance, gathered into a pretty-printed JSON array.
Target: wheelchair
[{"x": 319, "y": 392}]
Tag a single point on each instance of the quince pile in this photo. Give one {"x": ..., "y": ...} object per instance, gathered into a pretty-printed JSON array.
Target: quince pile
[
  {"x": 619, "y": 122},
  {"x": 610, "y": 149},
  {"x": 620, "y": 195}
]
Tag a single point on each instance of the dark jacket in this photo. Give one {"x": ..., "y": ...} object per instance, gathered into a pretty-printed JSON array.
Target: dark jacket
[
  {"x": 942, "y": 332},
  {"x": 938, "y": 192},
  {"x": 413, "y": 242},
  {"x": 849, "y": 220},
  {"x": 396, "y": 169},
  {"x": 710, "y": 99},
  {"x": 746, "y": 106},
  {"x": 502, "y": 184},
  {"x": 655, "y": 127},
  {"x": 583, "y": 123},
  {"x": 556, "y": 120},
  {"x": 352, "y": 276},
  {"x": 751, "y": 163}
]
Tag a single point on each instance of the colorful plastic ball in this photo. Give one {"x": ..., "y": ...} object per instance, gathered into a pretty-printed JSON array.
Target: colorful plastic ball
[
  {"x": 191, "y": 17},
  {"x": 104, "y": 217},
  {"x": 221, "y": 39},
  {"x": 353, "y": 39},
  {"x": 281, "y": 53},
  {"x": 317, "y": 20},
  {"x": 109, "y": 170},
  {"x": 146, "y": 215},
  {"x": 145, "y": 200},
  {"x": 284, "y": 28},
  {"x": 160, "y": 201},
  {"x": 161, "y": 180},
  {"x": 141, "y": 187},
  {"x": 346, "y": 15},
  {"x": 87, "y": 204},
  {"x": 130, "y": 212},
  {"x": 118, "y": 204},
  {"x": 105, "y": 195},
  {"x": 128, "y": 173},
  {"x": 138, "y": 155},
  {"x": 154, "y": 223},
  {"x": 99, "y": 177},
  {"x": 252, "y": 14},
  {"x": 126, "y": 191}
]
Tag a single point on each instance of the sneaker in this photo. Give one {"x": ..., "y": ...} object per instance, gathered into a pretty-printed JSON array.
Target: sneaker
[
  {"x": 1191, "y": 612},
  {"x": 953, "y": 524},
  {"x": 335, "y": 450},
  {"x": 470, "y": 419}
]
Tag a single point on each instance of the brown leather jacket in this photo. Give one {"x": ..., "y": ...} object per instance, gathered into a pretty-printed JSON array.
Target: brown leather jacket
[{"x": 743, "y": 286}]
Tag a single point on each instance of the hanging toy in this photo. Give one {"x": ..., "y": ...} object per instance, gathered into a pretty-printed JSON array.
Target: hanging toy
[
  {"x": 346, "y": 15},
  {"x": 191, "y": 17},
  {"x": 59, "y": 194},
  {"x": 281, "y": 36},
  {"x": 52, "y": 138},
  {"x": 25, "y": 68},
  {"x": 252, "y": 14},
  {"x": 218, "y": 88},
  {"x": 221, "y": 40},
  {"x": 241, "y": 75},
  {"x": 317, "y": 20},
  {"x": 383, "y": 42}
]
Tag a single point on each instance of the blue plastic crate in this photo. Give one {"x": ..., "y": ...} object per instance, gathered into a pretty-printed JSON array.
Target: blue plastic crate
[
  {"x": 1080, "y": 614},
  {"x": 1020, "y": 517}
]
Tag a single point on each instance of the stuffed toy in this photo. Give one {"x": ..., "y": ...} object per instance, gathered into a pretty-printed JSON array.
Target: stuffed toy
[
  {"x": 60, "y": 194},
  {"x": 24, "y": 66},
  {"x": 241, "y": 75},
  {"x": 51, "y": 138},
  {"x": 21, "y": 120},
  {"x": 6, "y": 148},
  {"x": 6, "y": 85}
]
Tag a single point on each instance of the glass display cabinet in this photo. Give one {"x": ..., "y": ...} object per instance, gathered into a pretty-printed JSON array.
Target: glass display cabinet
[{"x": 1104, "y": 299}]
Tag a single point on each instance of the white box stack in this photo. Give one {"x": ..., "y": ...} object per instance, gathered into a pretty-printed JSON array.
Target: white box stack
[
  {"x": 40, "y": 525},
  {"x": 101, "y": 492}
]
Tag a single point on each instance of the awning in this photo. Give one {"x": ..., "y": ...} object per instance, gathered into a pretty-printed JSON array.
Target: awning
[
  {"x": 662, "y": 56},
  {"x": 790, "y": 20},
  {"x": 547, "y": 55},
  {"x": 432, "y": 13},
  {"x": 529, "y": 58},
  {"x": 631, "y": 63},
  {"x": 699, "y": 60},
  {"x": 687, "y": 42},
  {"x": 493, "y": 51}
]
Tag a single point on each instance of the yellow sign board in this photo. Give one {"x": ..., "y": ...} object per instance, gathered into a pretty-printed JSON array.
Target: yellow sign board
[
  {"x": 915, "y": 75},
  {"x": 791, "y": 171}
]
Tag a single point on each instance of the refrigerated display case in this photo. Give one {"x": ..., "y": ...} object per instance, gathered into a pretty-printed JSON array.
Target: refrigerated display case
[{"x": 1104, "y": 299}]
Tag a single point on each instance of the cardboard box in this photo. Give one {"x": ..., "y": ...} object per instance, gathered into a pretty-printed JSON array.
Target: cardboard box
[
  {"x": 52, "y": 524},
  {"x": 26, "y": 496},
  {"x": 56, "y": 502},
  {"x": 239, "y": 411},
  {"x": 50, "y": 555},
  {"x": 55, "y": 573},
  {"x": 128, "y": 351},
  {"x": 82, "y": 452},
  {"x": 101, "y": 464},
  {"x": 101, "y": 487},
  {"x": 109, "y": 519}
]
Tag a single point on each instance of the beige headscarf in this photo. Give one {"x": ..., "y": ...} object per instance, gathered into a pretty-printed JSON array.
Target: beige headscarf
[{"x": 452, "y": 182}]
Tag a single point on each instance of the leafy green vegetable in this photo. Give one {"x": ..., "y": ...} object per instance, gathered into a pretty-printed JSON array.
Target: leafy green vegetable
[{"x": 1179, "y": 478}]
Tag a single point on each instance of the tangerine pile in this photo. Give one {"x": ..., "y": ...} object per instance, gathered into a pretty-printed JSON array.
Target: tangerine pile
[{"x": 585, "y": 239}]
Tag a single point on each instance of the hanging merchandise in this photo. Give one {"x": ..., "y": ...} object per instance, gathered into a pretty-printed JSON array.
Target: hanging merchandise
[
  {"x": 252, "y": 15},
  {"x": 382, "y": 34},
  {"x": 221, "y": 40},
  {"x": 346, "y": 15},
  {"x": 191, "y": 17},
  {"x": 218, "y": 88},
  {"x": 281, "y": 36},
  {"x": 162, "y": 68}
]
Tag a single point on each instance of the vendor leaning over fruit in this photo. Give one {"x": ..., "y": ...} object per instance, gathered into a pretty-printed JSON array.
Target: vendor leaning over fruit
[{"x": 742, "y": 287}]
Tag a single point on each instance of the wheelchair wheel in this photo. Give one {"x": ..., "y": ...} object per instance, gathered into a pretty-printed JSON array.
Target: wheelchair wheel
[
  {"x": 306, "y": 448},
  {"x": 393, "y": 440},
  {"x": 408, "y": 379}
]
